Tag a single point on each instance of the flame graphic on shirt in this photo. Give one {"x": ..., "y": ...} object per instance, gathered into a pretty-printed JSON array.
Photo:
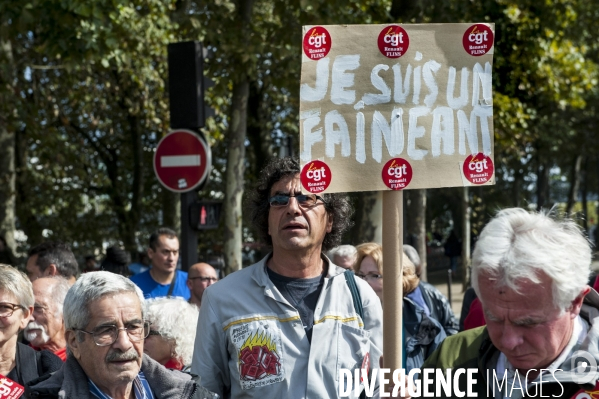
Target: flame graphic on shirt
[{"x": 258, "y": 357}]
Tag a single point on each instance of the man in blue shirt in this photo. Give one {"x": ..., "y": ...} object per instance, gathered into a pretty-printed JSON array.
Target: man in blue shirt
[{"x": 163, "y": 278}]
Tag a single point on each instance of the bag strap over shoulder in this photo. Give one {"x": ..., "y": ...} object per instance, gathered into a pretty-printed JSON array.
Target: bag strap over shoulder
[
  {"x": 353, "y": 288},
  {"x": 350, "y": 279},
  {"x": 172, "y": 286}
]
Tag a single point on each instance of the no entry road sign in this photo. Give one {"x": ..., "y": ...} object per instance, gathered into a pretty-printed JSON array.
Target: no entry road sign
[{"x": 182, "y": 160}]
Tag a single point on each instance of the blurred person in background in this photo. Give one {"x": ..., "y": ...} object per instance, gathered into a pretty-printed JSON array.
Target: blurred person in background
[
  {"x": 163, "y": 278},
  {"x": 344, "y": 256},
  {"x": 52, "y": 258},
  {"x": 19, "y": 362},
  {"x": 200, "y": 276},
  {"x": 430, "y": 298},
  {"x": 91, "y": 264},
  {"x": 46, "y": 329},
  {"x": 173, "y": 324},
  {"x": 116, "y": 261},
  {"x": 422, "y": 333},
  {"x": 142, "y": 264},
  {"x": 453, "y": 250},
  {"x": 369, "y": 266}
]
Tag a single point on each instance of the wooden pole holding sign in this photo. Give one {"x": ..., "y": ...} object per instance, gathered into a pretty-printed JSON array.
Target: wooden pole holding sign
[{"x": 393, "y": 272}]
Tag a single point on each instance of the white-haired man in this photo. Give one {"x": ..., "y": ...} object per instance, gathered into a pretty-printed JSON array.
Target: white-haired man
[
  {"x": 105, "y": 332},
  {"x": 344, "y": 256},
  {"x": 530, "y": 272},
  {"x": 46, "y": 329}
]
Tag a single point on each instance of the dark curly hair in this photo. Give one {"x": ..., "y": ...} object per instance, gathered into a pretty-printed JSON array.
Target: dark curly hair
[{"x": 337, "y": 205}]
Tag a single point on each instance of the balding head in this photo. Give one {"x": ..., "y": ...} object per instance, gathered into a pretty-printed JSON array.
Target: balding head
[{"x": 201, "y": 275}]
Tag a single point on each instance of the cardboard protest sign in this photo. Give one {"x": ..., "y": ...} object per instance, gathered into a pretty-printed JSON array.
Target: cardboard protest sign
[{"x": 390, "y": 107}]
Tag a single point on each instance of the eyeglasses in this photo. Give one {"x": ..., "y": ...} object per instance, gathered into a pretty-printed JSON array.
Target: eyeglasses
[
  {"x": 304, "y": 200},
  {"x": 370, "y": 276},
  {"x": 7, "y": 309},
  {"x": 204, "y": 279},
  {"x": 107, "y": 335}
]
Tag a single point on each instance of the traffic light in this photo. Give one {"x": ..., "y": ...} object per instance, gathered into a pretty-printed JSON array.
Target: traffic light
[{"x": 204, "y": 215}]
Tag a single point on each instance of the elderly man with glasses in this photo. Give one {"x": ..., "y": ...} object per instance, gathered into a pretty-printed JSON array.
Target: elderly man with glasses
[
  {"x": 285, "y": 326},
  {"x": 105, "y": 332}
]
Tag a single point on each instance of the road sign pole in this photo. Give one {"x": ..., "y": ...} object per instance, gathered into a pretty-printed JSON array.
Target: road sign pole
[
  {"x": 189, "y": 237},
  {"x": 186, "y": 95}
]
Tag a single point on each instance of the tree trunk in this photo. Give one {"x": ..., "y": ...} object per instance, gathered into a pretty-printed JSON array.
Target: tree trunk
[
  {"x": 542, "y": 184},
  {"x": 597, "y": 208},
  {"x": 518, "y": 178},
  {"x": 584, "y": 194},
  {"x": 171, "y": 210},
  {"x": 7, "y": 149},
  {"x": 574, "y": 184},
  {"x": 368, "y": 218},
  {"x": 235, "y": 176},
  {"x": 419, "y": 204},
  {"x": 236, "y": 136}
]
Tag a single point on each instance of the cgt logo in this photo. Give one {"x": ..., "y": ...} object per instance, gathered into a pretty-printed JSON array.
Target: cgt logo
[
  {"x": 477, "y": 36},
  {"x": 478, "y": 166},
  {"x": 393, "y": 38},
  {"x": 397, "y": 171},
  {"x": 316, "y": 174},
  {"x": 317, "y": 40}
]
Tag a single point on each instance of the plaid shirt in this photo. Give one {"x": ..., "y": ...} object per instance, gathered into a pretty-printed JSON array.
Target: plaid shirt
[{"x": 141, "y": 388}]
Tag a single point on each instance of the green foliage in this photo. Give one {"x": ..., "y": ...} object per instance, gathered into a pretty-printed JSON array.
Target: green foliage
[{"x": 89, "y": 100}]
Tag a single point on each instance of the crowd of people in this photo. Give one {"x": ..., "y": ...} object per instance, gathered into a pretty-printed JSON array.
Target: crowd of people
[{"x": 286, "y": 326}]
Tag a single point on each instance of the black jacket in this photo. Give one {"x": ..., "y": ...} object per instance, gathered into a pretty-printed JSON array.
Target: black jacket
[
  {"x": 32, "y": 364},
  {"x": 440, "y": 308}
]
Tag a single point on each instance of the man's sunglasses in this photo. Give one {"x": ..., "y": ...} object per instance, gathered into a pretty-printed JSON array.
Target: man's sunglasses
[{"x": 304, "y": 200}]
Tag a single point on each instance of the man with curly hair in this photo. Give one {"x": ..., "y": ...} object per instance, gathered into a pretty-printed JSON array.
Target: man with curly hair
[{"x": 285, "y": 326}]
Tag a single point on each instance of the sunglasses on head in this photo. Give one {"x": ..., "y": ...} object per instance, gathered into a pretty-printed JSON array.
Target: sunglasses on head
[{"x": 304, "y": 200}]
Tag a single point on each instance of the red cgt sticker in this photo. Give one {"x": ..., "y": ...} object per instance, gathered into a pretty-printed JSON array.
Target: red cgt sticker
[
  {"x": 478, "y": 40},
  {"x": 393, "y": 41},
  {"x": 317, "y": 43},
  {"x": 10, "y": 389},
  {"x": 478, "y": 168},
  {"x": 316, "y": 176},
  {"x": 397, "y": 174}
]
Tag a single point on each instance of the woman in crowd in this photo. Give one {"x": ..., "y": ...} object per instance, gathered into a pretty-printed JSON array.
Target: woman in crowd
[
  {"x": 19, "y": 362},
  {"x": 172, "y": 332},
  {"x": 369, "y": 266},
  {"x": 422, "y": 334}
]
